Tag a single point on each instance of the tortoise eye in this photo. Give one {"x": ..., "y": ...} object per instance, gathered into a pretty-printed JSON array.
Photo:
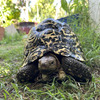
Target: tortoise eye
[{"x": 52, "y": 62}]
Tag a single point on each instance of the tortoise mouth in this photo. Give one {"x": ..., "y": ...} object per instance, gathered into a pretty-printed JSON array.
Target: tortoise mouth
[{"x": 48, "y": 71}]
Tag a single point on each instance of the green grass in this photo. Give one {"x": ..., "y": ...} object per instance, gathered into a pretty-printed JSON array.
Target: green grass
[{"x": 11, "y": 58}]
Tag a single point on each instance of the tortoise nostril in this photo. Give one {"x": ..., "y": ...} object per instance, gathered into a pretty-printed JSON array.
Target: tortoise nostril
[{"x": 43, "y": 65}]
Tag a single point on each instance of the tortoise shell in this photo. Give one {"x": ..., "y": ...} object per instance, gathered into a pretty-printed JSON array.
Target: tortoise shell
[{"x": 52, "y": 36}]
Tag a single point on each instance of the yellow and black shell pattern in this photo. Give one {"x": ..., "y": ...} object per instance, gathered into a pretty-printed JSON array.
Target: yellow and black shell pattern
[{"x": 52, "y": 36}]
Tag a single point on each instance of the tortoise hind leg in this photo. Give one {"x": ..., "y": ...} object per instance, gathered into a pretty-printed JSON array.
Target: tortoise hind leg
[
  {"x": 79, "y": 71},
  {"x": 27, "y": 73}
]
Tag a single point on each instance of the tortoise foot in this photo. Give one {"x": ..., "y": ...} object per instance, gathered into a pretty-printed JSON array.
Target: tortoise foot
[
  {"x": 79, "y": 71},
  {"x": 27, "y": 73}
]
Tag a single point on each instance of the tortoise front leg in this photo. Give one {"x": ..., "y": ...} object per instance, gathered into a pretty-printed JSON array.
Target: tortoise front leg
[
  {"x": 27, "y": 73},
  {"x": 79, "y": 71}
]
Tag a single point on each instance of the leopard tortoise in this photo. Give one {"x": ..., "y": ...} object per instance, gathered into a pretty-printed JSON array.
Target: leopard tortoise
[{"x": 55, "y": 38}]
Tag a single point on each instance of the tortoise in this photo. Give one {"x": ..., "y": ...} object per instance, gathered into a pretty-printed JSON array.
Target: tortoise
[{"x": 53, "y": 37}]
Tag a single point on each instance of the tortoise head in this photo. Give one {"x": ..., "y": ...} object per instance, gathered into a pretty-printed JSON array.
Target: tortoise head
[{"x": 48, "y": 64}]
